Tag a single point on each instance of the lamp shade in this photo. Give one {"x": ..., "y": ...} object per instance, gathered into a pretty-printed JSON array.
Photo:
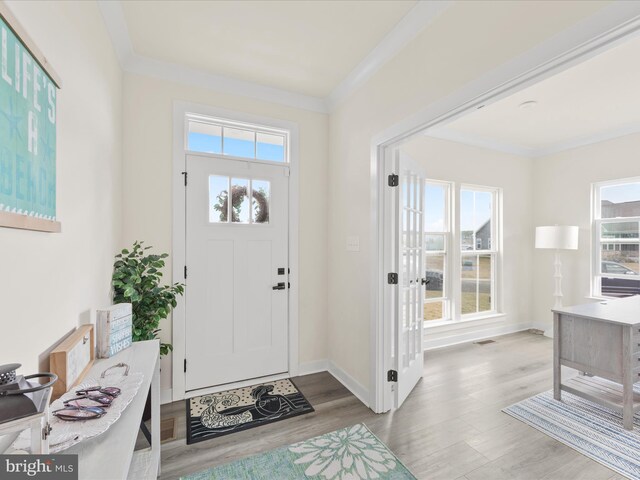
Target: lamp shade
[{"x": 557, "y": 237}]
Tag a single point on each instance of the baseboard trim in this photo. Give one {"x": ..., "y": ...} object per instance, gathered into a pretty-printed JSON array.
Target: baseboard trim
[
  {"x": 315, "y": 366},
  {"x": 166, "y": 396},
  {"x": 349, "y": 383},
  {"x": 443, "y": 341}
]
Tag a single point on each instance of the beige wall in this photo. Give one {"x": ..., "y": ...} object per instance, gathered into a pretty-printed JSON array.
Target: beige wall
[
  {"x": 562, "y": 196},
  {"x": 148, "y": 146},
  {"x": 51, "y": 282},
  {"x": 455, "y": 162},
  {"x": 466, "y": 41}
]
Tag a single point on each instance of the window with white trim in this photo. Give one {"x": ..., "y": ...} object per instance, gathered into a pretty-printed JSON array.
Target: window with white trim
[
  {"x": 437, "y": 219},
  {"x": 478, "y": 258},
  {"x": 616, "y": 238},
  {"x": 470, "y": 242},
  {"x": 234, "y": 139}
]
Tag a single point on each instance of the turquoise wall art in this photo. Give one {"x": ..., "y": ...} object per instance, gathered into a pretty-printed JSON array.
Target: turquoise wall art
[{"x": 27, "y": 132}]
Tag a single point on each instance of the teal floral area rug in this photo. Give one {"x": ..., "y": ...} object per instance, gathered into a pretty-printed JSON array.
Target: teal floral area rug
[{"x": 352, "y": 453}]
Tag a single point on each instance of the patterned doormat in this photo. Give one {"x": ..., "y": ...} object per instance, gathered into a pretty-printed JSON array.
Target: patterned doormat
[
  {"x": 230, "y": 411},
  {"x": 589, "y": 428},
  {"x": 352, "y": 453}
]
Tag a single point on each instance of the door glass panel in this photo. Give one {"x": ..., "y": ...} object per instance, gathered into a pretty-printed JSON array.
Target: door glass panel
[
  {"x": 620, "y": 201},
  {"x": 270, "y": 147},
  {"x": 261, "y": 191},
  {"x": 204, "y": 137},
  {"x": 240, "y": 199},
  {"x": 218, "y": 193},
  {"x": 239, "y": 143},
  {"x": 433, "y": 311}
]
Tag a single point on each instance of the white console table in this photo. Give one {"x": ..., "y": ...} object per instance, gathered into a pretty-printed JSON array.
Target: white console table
[
  {"x": 111, "y": 456},
  {"x": 601, "y": 339}
]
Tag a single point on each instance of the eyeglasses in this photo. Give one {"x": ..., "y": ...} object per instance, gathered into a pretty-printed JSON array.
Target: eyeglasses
[
  {"x": 111, "y": 391},
  {"x": 73, "y": 413},
  {"x": 90, "y": 401}
]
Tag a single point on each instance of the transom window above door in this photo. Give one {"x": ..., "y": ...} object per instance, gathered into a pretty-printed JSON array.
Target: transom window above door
[{"x": 233, "y": 139}]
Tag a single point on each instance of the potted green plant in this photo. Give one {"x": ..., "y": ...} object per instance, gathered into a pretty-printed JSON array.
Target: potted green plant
[{"x": 136, "y": 279}]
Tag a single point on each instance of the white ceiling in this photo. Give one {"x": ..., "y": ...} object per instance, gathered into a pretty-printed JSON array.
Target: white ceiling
[
  {"x": 307, "y": 47},
  {"x": 593, "y": 101}
]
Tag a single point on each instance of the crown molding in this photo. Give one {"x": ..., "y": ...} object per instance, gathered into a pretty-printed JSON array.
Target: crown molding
[
  {"x": 451, "y": 135},
  {"x": 408, "y": 28},
  {"x": 134, "y": 63}
]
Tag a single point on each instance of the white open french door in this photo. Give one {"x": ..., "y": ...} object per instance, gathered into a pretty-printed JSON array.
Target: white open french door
[
  {"x": 237, "y": 270},
  {"x": 409, "y": 265}
]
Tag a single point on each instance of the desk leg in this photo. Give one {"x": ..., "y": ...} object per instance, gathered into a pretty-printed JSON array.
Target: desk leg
[
  {"x": 627, "y": 378},
  {"x": 155, "y": 414},
  {"x": 557, "y": 369}
]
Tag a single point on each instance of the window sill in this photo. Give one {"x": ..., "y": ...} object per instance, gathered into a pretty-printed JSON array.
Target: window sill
[{"x": 443, "y": 323}]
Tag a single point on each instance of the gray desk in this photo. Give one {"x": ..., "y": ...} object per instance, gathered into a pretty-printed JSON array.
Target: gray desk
[{"x": 602, "y": 339}]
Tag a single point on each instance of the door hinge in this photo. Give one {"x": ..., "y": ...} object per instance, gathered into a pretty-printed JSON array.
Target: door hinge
[
  {"x": 392, "y": 376},
  {"x": 392, "y": 278},
  {"x": 394, "y": 180},
  {"x": 185, "y": 272},
  {"x": 185, "y": 365},
  {"x": 185, "y": 178}
]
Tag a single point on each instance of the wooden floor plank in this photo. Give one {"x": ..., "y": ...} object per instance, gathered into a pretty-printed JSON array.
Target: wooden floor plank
[{"x": 450, "y": 427}]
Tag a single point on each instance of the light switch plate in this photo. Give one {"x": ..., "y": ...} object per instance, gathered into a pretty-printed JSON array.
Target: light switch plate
[{"x": 353, "y": 244}]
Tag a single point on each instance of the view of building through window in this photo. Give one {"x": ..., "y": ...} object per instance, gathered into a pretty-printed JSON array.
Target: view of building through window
[
  {"x": 617, "y": 246},
  {"x": 473, "y": 290}
]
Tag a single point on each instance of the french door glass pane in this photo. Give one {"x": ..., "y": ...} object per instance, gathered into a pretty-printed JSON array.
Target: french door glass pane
[
  {"x": 476, "y": 283},
  {"x": 434, "y": 208},
  {"x": 240, "y": 200},
  {"x": 620, "y": 201},
  {"x": 475, "y": 220},
  {"x": 218, "y": 194}
]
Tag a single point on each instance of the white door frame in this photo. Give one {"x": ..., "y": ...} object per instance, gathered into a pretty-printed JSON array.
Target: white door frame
[
  {"x": 180, "y": 109},
  {"x": 605, "y": 29}
]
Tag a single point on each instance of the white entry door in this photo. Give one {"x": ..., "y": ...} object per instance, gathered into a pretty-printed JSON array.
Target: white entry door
[
  {"x": 237, "y": 270},
  {"x": 410, "y": 264}
]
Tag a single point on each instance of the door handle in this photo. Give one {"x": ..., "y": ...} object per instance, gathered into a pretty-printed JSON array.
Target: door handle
[
  {"x": 424, "y": 281},
  {"x": 279, "y": 286}
]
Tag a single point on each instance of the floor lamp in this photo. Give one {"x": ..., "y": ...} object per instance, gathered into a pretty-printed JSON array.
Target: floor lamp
[{"x": 558, "y": 238}]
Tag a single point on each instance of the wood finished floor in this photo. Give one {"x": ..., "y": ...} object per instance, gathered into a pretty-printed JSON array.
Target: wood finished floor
[{"x": 451, "y": 426}]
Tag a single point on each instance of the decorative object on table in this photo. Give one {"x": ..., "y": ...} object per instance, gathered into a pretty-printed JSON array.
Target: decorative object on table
[
  {"x": 231, "y": 411},
  {"x": 28, "y": 109},
  {"x": 589, "y": 428},
  {"x": 65, "y": 434},
  {"x": 24, "y": 407},
  {"x": 557, "y": 237},
  {"x": 72, "y": 359},
  {"x": 114, "y": 325},
  {"x": 353, "y": 452},
  {"x": 136, "y": 279},
  {"x": 15, "y": 401}
]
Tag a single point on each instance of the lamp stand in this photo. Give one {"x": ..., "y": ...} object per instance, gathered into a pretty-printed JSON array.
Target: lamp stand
[{"x": 557, "y": 276}]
